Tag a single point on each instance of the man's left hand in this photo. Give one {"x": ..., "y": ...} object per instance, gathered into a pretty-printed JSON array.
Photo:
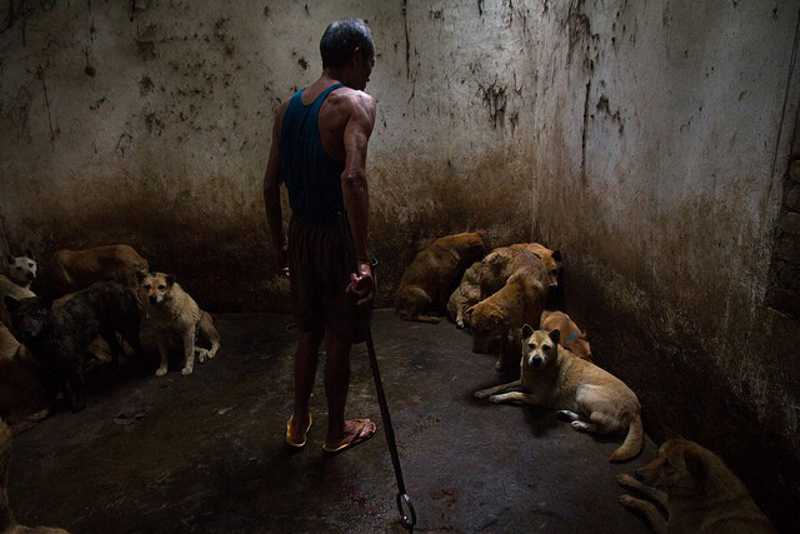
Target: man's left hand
[{"x": 362, "y": 284}]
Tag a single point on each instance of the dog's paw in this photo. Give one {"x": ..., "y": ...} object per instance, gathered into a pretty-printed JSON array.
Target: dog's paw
[
  {"x": 459, "y": 324},
  {"x": 161, "y": 371},
  {"x": 624, "y": 479},
  {"x": 201, "y": 354},
  {"x": 496, "y": 399},
  {"x": 480, "y": 394},
  {"x": 186, "y": 371},
  {"x": 627, "y": 500},
  {"x": 580, "y": 426}
]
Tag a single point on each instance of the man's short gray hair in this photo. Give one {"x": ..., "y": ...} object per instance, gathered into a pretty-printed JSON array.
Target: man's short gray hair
[{"x": 341, "y": 38}]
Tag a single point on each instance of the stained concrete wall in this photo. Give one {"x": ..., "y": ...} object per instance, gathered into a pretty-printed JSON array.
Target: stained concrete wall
[
  {"x": 663, "y": 135},
  {"x": 148, "y": 122}
]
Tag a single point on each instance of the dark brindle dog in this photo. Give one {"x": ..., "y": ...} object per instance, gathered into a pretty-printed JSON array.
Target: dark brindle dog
[{"x": 59, "y": 338}]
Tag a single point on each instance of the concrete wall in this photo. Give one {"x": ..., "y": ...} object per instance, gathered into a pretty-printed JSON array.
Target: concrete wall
[
  {"x": 663, "y": 135},
  {"x": 152, "y": 127}
]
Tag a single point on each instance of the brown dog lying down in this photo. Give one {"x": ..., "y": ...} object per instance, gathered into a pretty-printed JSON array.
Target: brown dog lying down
[
  {"x": 491, "y": 274},
  {"x": 572, "y": 338},
  {"x": 72, "y": 270},
  {"x": 520, "y": 301},
  {"x": 428, "y": 281},
  {"x": 8, "y": 525},
  {"x": 593, "y": 399},
  {"x": 699, "y": 493}
]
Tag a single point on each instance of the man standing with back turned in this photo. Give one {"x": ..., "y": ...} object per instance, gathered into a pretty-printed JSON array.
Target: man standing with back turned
[{"x": 319, "y": 150}]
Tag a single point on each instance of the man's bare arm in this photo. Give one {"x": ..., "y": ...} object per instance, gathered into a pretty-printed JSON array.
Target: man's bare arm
[
  {"x": 354, "y": 178},
  {"x": 272, "y": 190}
]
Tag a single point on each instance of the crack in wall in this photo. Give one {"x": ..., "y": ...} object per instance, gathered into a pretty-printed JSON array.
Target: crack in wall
[{"x": 585, "y": 126}]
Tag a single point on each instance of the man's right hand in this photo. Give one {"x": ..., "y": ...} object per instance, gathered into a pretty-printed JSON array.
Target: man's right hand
[{"x": 362, "y": 284}]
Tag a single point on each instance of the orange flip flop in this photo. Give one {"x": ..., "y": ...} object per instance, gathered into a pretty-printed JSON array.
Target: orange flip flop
[
  {"x": 289, "y": 441},
  {"x": 352, "y": 443}
]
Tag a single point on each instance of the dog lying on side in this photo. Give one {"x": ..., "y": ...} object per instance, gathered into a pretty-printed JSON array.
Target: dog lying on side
[
  {"x": 173, "y": 320},
  {"x": 492, "y": 273},
  {"x": 9, "y": 525},
  {"x": 72, "y": 270},
  {"x": 700, "y": 494},
  {"x": 427, "y": 283},
  {"x": 59, "y": 338},
  {"x": 593, "y": 399},
  {"x": 572, "y": 338}
]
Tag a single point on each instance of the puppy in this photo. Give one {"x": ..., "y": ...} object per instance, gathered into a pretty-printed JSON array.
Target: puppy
[
  {"x": 72, "y": 270},
  {"x": 699, "y": 493},
  {"x": 59, "y": 338},
  {"x": 8, "y": 525},
  {"x": 173, "y": 320},
  {"x": 427, "y": 283},
  {"x": 593, "y": 399},
  {"x": 572, "y": 338}
]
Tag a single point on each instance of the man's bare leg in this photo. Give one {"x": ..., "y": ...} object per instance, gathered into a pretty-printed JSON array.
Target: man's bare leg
[
  {"x": 337, "y": 382},
  {"x": 305, "y": 371}
]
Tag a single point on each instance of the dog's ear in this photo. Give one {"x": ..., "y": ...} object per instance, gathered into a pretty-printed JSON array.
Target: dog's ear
[
  {"x": 11, "y": 304},
  {"x": 11, "y": 259},
  {"x": 29, "y": 254},
  {"x": 557, "y": 255},
  {"x": 555, "y": 335},
  {"x": 141, "y": 275},
  {"x": 170, "y": 280},
  {"x": 527, "y": 331}
]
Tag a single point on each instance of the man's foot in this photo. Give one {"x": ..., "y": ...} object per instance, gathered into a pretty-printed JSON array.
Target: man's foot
[
  {"x": 356, "y": 431},
  {"x": 296, "y": 436}
]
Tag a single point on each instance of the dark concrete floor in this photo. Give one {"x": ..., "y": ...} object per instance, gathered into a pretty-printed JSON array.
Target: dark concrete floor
[{"x": 205, "y": 453}]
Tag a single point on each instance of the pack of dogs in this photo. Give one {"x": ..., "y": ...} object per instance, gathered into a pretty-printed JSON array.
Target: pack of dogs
[
  {"x": 106, "y": 304},
  {"x": 508, "y": 299},
  {"x": 99, "y": 304}
]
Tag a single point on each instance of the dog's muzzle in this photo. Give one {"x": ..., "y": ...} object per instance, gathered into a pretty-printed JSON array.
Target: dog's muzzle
[
  {"x": 153, "y": 299},
  {"x": 536, "y": 362}
]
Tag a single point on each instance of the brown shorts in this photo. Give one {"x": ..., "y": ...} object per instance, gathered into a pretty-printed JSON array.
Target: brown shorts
[{"x": 321, "y": 260}]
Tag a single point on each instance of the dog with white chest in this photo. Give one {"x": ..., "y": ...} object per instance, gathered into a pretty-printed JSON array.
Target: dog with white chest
[
  {"x": 173, "y": 320},
  {"x": 593, "y": 400}
]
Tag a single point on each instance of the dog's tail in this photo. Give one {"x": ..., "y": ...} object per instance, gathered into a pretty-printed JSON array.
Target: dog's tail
[{"x": 633, "y": 441}]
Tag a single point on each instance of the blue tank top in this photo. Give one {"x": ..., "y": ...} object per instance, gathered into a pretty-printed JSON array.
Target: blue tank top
[{"x": 312, "y": 177}]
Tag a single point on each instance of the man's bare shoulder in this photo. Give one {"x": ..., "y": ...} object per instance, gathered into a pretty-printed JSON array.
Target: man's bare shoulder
[{"x": 353, "y": 100}]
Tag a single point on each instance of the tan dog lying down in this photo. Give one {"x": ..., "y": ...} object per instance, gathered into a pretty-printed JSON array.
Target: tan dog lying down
[
  {"x": 593, "y": 399},
  {"x": 700, "y": 494},
  {"x": 172, "y": 319},
  {"x": 78, "y": 269},
  {"x": 8, "y": 525},
  {"x": 492, "y": 273},
  {"x": 572, "y": 338},
  {"x": 520, "y": 301},
  {"x": 428, "y": 281}
]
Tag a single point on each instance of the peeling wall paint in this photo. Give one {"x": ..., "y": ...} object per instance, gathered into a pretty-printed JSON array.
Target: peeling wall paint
[{"x": 149, "y": 123}]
